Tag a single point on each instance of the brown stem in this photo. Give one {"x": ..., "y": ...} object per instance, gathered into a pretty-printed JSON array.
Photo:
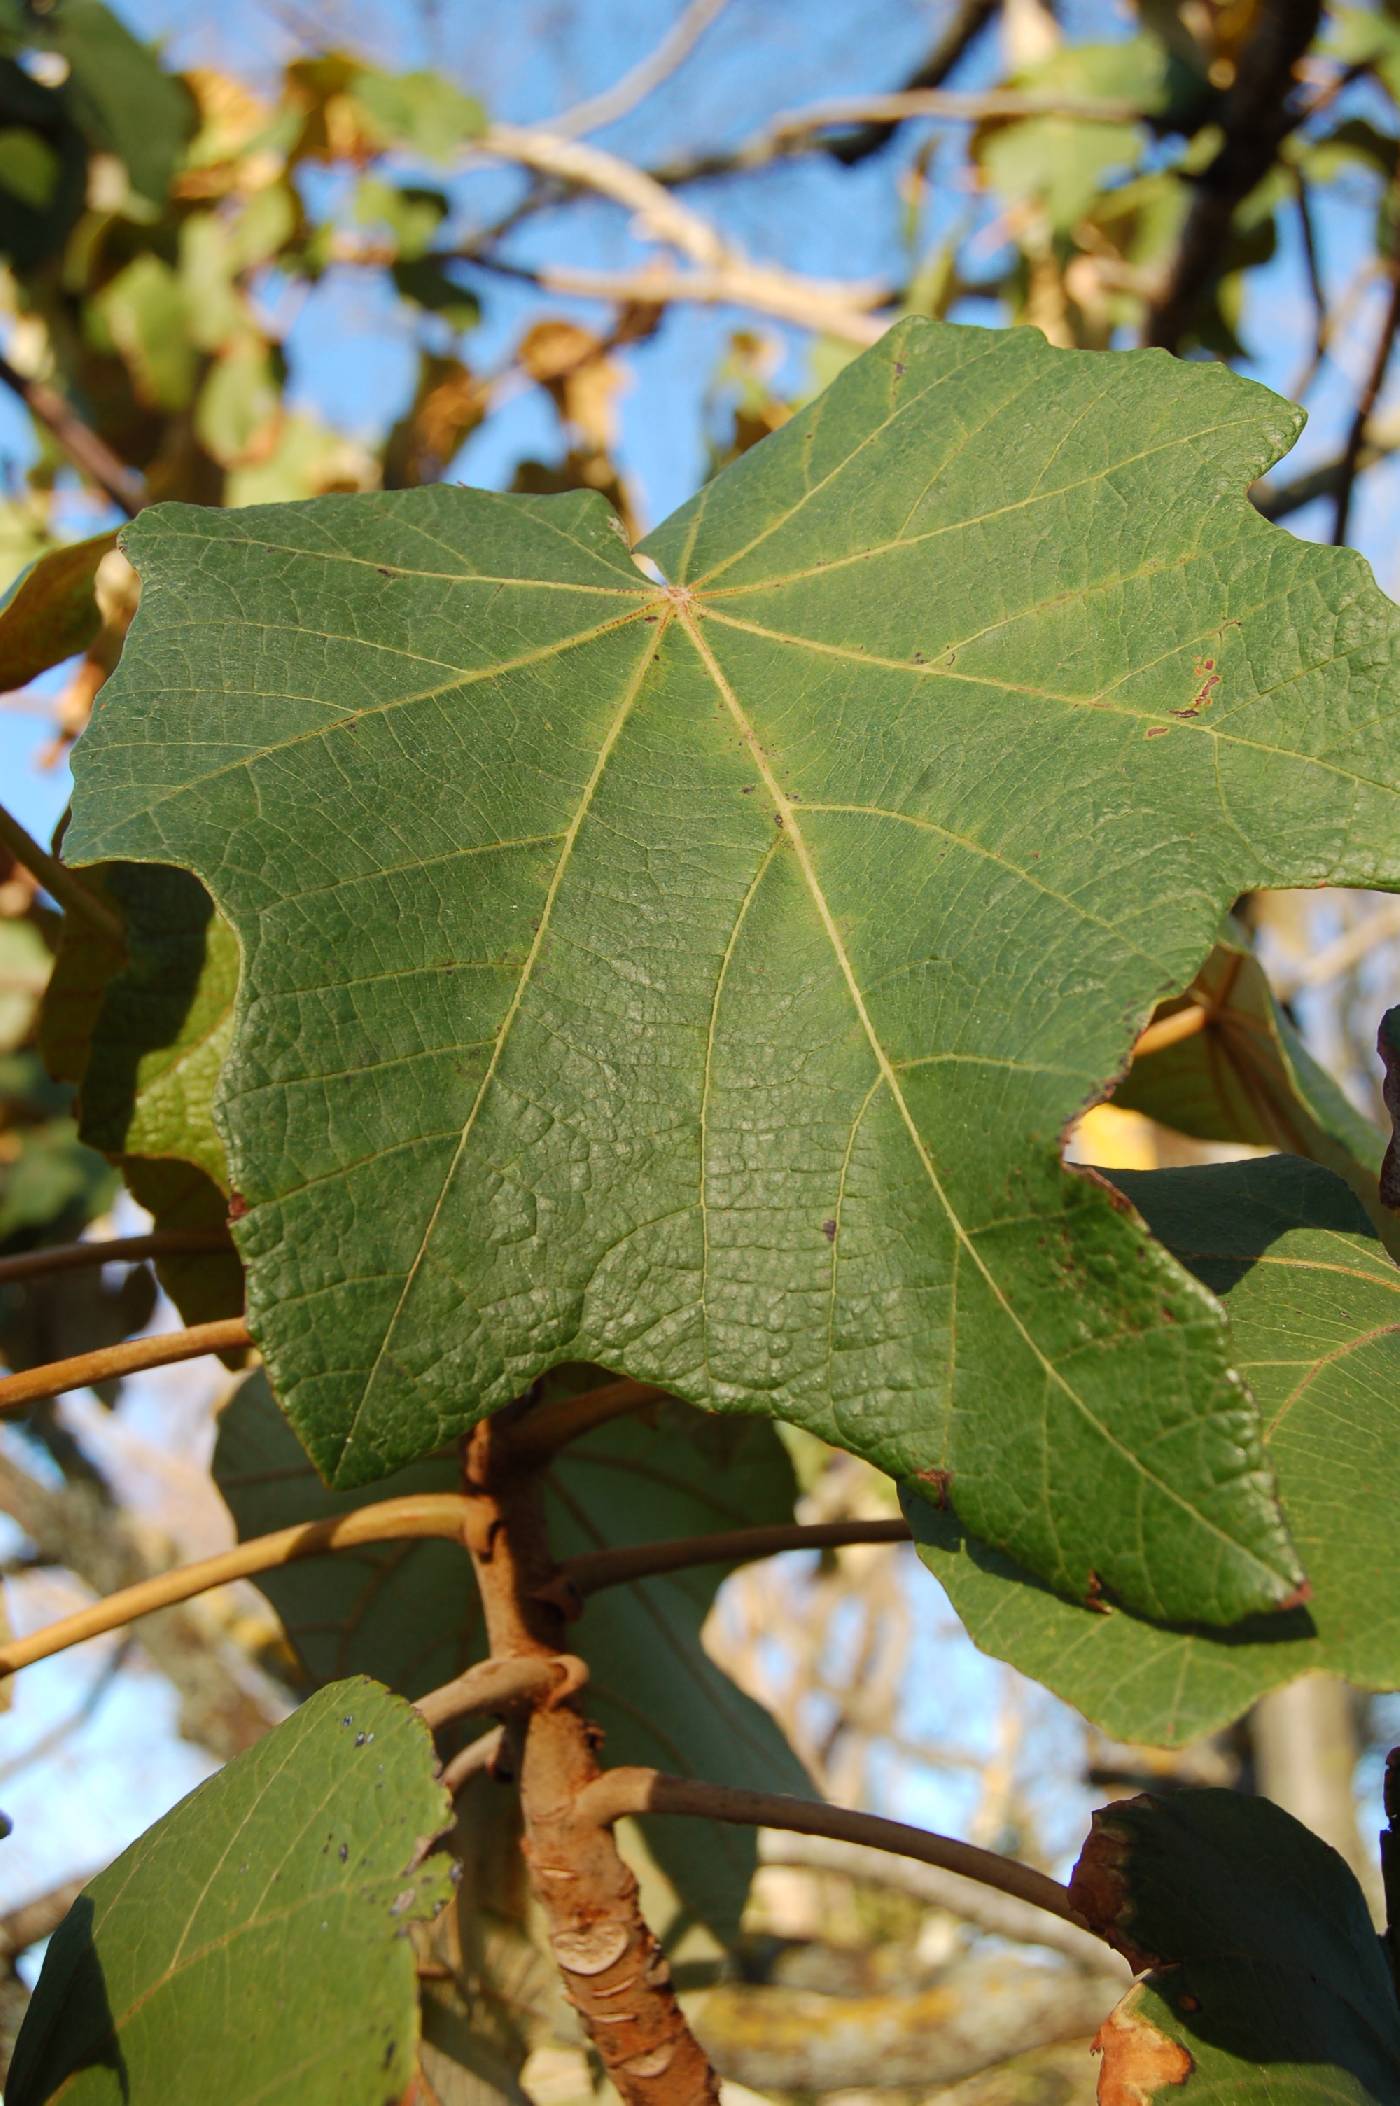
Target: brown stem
[
  {"x": 539, "y": 1433},
  {"x": 478, "y": 1755},
  {"x": 132, "y": 1357},
  {"x": 1375, "y": 376},
  {"x": 640, "y": 1791},
  {"x": 78, "y": 440},
  {"x": 495, "y": 1685},
  {"x": 442, "y": 1514},
  {"x": 595, "y": 1569},
  {"x": 123, "y": 1250},
  {"x": 614, "y": 1971},
  {"x": 57, "y": 879}
]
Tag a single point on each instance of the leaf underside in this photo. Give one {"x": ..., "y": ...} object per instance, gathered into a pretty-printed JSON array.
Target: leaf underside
[
  {"x": 696, "y": 980},
  {"x": 254, "y": 1940}
]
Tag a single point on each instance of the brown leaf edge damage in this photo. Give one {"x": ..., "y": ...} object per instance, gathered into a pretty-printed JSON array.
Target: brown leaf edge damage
[
  {"x": 1099, "y": 1886},
  {"x": 1139, "y": 2061}
]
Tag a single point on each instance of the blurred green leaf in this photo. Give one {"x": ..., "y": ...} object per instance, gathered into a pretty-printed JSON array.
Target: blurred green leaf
[{"x": 421, "y": 112}]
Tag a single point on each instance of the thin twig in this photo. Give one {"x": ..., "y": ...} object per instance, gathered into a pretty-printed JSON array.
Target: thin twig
[
  {"x": 92, "y": 455},
  {"x": 621, "y": 1792},
  {"x": 596, "y": 1569},
  {"x": 478, "y": 1755},
  {"x": 108, "y": 1250},
  {"x": 57, "y": 879},
  {"x": 645, "y": 77},
  {"x": 962, "y": 29},
  {"x": 545, "y": 1428},
  {"x": 133, "y": 1357},
  {"x": 1375, "y": 379},
  {"x": 439, "y": 1514}
]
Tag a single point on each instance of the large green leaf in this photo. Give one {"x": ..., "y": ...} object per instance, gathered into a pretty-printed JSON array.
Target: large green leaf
[
  {"x": 697, "y": 979},
  {"x": 409, "y": 1613},
  {"x": 142, "y": 1027},
  {"x": 1266, "y": 1983},
  {"x": 1314, "y": 1306},
  {"x": 250, "y": 1947}
]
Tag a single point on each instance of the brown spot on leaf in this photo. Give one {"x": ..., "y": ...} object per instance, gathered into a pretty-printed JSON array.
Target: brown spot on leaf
[
  {"x": 237, "y": 1206},
  {"x": 1159, "y": 731},
  {"x": 938, "y": 1481},
  {"x": 1301, "y": 1595},
  {"x": 1139, "y": 2061},
  {"x": 829, "y": 1231}
]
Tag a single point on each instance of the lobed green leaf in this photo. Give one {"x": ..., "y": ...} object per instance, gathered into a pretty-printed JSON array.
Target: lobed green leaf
[{"x": 696, "y": 980}]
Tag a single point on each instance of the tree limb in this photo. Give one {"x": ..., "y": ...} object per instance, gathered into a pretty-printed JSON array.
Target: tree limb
[
  {"x": 88, "y": 453},
  {"x": 1255, "y": 119},
  {"x": 543, "y": 1429},
  {"x": 1350, "y": 462},
  {"x": 971, "y": 2017},
  {"x": 496, "y": 1685},
  {"x": 613, "y": 1970}
]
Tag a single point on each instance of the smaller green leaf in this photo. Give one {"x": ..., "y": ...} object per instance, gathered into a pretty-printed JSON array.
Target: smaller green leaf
[
  {"x": 51, "y": 610},
  {"x": 409, "y": 1612},
  {"x": 239, "y": 400},
  {"x": 1314, "y": 1307},
  {"x": 250, "y": 1947},
  {"x": 142, "y": 1030},
  {"x": 1266, "y": 1981}
]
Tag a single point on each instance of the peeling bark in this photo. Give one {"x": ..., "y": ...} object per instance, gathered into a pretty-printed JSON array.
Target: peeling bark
[{"x": 614, "y": 1972}]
